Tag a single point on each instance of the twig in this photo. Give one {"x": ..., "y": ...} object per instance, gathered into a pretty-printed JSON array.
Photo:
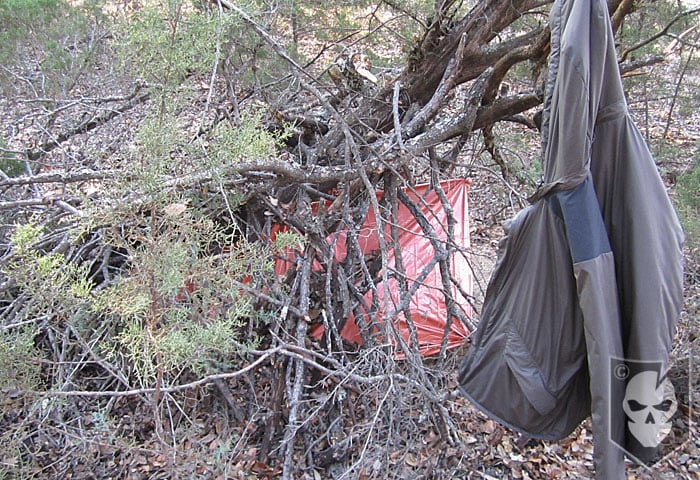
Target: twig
[
  {"x": 59, "y": 177},
  {"x": 411, "y": 350},
  {"x": 44, "y": 202},
  {"x": 658, "y": 35},
  {"x": 31, "y": 202},
  {"x": 397, "y": 118},
  {"x": 445, "y": 273},
  {"x": 88, "y": 125},
  {"x": 676, "y": 91},
  {"x": 627, "y": 67},
  {"x": 178, "y": 388},
  {"x": 296, "y": 397}
]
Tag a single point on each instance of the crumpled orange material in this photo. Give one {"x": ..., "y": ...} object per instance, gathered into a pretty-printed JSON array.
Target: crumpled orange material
[{"x": 427, "y": 307}]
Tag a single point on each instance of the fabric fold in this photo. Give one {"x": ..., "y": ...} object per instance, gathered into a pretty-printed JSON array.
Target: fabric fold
[{"x": 590, "y": 275}]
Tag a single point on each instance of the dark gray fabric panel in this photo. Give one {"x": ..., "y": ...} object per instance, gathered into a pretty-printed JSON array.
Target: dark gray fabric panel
[{"x": 585, "y": 228}]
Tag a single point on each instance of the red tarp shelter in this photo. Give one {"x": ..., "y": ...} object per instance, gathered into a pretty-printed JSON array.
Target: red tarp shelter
[{"x": 427, "y": 307}]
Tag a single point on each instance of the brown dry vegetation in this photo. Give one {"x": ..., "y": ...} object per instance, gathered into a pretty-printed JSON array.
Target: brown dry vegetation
[{"x": 102, "y": 159}]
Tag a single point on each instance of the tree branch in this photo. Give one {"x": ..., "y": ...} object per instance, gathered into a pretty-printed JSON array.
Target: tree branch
[
  {"x": 505, "y": 107},
  {"x": 91, "y": 124},
  {"x": 462, "y": 123},
  {"x": 59, "y": 177},
  {"x": 658, "y": 35},
  {"x": 631, "y": 66}
]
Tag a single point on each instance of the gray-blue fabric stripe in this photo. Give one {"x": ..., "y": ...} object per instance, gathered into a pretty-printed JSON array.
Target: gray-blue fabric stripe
[{"x": 585, "y": 228}]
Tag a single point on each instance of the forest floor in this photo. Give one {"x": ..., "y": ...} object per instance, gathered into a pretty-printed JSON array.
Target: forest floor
[
  {"x": 221, "y": 443},
  {"x": 117, "y": 438}
]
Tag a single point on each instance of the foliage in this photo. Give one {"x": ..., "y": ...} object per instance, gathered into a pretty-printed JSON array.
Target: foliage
[
  {"x": 10, "y": 163},
  {"x": 181, "y": 307},
  {"x": 43, "y": 43},
  {"x": 651, "y": 16},
  {"x": 147, "y": 268},
  {"x": 20, "y": 16},
  {"x": 58, "y": 288},
  {"x": 166, "y": 43},
  {"x": 19, "y": 368},
  {"x": 688, "y": 204},
  {"x": 249, "y": 141}
]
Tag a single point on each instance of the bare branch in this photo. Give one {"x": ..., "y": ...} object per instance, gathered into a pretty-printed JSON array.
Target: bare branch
[
  {"x": 628, "y": 67},
  {"x": 661, "y": 33},
  {"x": 59, "y": 177},
  {"x": 506, "y": 107},
  {"x": 90, "y": 124}
]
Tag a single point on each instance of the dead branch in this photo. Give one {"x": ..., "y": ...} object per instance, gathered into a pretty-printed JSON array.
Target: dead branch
[
  {"x": 133, "y": 100},
  {"x": 626, "y": 68},
  {"x": 440, "y": 96},
  {"x": 42, "y": 202},
  {"x": 342, "y": 374},
  {"x": 676, "y": 91},
  {"x": 460, "y": 124},
  {"x": 59, "y": 177},
  {"x": 505, "y": 107},
  {"x": 664, "y": 31},
  {"x": 295, "y": 398}
]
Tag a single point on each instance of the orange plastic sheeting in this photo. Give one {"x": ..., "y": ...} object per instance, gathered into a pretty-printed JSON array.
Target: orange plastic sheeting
[{"x": 427, "y": 308}]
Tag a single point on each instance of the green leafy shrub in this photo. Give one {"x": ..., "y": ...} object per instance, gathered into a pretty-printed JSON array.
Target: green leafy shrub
[
  {"x": 165, "y": 44},
  {"x": 58, "y": 289},
  {"x": 10, "y": 163},
  {"x": 182, "y": 303},
  {"x": 53, "y": 290},
  {"x": 19, "y": 365},
  {"x": 688, "y": 205},
  {"x": 43, "y": 42}
]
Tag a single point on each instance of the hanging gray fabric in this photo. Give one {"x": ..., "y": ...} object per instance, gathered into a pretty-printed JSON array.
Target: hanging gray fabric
[{"x": 590, "y": 274}]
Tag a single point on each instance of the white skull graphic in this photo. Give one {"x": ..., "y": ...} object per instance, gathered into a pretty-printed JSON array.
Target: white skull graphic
[{"x": 649, "y": 407}]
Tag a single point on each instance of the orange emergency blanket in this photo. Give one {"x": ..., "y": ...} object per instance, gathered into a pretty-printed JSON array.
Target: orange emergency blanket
[{"x": 427, "y": 307}]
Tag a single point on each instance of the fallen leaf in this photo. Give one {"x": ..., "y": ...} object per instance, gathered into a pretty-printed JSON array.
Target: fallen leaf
[
  {"x": 411, "y": 460},
  {"x": 175, "y": 209}
]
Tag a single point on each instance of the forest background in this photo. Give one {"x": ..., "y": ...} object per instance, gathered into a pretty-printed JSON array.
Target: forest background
[{"x": 147, "y": 149}]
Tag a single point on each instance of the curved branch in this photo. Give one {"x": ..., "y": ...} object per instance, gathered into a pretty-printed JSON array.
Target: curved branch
[
  {"x": 134, "y": 99},
  {"x": 620, "y": 11},
  {"x": 506, "y": 107},
  {"x": 658, "y": 35},
  {"x": 500, "y": 69},
  {"x": 478, "y": 27},
  {"x": 534, "y": 44}
]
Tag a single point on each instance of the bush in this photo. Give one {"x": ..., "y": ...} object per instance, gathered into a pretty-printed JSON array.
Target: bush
[
  {"x": 688, "y": 205},
  {"x": 43, "y": 43}
]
